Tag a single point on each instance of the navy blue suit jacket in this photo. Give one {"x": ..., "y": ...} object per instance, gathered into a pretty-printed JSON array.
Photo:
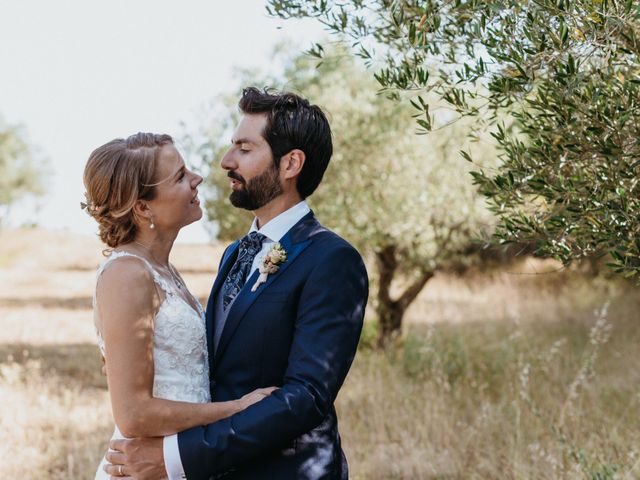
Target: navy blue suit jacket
[{"x": 298, "y": 331}]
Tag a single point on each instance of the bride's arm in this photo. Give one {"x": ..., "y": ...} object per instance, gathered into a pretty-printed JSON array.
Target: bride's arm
[{"x": 127, "y": 301}]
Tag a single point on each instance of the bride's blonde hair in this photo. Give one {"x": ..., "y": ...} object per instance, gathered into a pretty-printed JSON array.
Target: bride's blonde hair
[{"x": 118, "y": 174}]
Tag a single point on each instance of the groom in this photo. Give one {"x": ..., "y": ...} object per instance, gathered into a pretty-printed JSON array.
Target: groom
[{"x": 292, "y": 320}]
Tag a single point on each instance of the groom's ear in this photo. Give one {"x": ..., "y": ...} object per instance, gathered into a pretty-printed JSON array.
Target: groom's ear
[{"x": 291, "y": 164}]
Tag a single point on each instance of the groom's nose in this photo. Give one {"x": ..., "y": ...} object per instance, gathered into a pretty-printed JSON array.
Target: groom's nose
[{"x": 227, "y": 162}]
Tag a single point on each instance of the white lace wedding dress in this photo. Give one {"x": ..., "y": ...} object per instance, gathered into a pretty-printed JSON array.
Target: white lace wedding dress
[{"x": 181, "y": 367}]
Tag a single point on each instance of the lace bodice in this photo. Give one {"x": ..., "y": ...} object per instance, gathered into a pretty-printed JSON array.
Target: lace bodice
[{"x": 181, "y": 367}]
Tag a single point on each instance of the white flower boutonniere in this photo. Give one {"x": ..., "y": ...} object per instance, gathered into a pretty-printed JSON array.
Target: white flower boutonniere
[{"x": 270, "y": 264}]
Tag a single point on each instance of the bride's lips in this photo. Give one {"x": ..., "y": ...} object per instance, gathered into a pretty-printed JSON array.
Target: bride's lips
[{"x": 195, "y": 200}]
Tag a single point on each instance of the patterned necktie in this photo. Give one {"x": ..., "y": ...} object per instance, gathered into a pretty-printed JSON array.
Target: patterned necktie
[{"x": 250, "y": 245}]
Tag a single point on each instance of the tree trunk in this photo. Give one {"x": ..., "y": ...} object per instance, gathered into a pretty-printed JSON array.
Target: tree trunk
[
  {"x": 389, "y": 311},
  {"x": 389, "y": 321}
]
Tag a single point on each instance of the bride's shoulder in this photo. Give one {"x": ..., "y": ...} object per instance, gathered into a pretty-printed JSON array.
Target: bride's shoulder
[
  {"x": 126, "y": 274},
  {"x": 125, "y": 300}
]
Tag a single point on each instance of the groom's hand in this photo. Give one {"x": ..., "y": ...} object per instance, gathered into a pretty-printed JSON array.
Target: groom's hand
[{"x": 136, "y": 458}]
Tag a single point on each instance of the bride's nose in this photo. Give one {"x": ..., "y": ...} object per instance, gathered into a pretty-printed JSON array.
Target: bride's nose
[{"x": 197, "y": 180}]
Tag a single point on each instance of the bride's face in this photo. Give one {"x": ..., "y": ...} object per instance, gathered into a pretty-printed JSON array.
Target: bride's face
[{"x": 176, "y": 202}]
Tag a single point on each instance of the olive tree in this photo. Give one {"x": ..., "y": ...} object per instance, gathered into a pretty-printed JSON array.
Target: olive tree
[
  {"x": 19, "y": 173},
  {"x": 567, "y": 75}
]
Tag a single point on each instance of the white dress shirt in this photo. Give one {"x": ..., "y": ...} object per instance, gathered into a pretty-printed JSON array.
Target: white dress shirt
[{"x": 274, "y": 230}]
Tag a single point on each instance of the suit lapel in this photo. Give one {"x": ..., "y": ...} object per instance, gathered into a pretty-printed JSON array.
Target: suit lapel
[
  {"x": 226, "y": 263},
  {"x": 294, "y": 243}
]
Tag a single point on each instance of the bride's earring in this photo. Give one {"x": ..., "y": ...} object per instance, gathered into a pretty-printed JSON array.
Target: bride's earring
[{"x": 151, "y": 224}]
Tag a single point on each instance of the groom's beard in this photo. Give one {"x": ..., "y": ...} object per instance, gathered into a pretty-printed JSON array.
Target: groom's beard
[{"x": 258, "y": 191}]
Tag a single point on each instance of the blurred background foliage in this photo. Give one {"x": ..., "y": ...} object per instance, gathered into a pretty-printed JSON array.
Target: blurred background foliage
[{"x": 22, "y": 173}]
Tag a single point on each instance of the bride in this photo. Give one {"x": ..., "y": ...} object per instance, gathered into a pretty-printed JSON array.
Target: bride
[{"x": 151, "y": 329}]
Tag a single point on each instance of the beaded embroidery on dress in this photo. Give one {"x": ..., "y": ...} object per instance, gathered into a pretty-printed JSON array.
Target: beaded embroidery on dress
[{"x": 180, "y": 359}]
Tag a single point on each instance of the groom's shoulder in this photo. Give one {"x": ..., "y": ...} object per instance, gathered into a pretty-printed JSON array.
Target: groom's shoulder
[
  {"x": 328, "y": 241},
  {"x": 332, "y": 255}
]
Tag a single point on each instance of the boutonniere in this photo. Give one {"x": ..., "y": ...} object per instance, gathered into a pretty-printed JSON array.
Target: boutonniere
[{"x": 270, "y": 264}]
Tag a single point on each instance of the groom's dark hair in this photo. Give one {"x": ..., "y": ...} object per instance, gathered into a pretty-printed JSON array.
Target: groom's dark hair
[{"x": 292, "y": 122}]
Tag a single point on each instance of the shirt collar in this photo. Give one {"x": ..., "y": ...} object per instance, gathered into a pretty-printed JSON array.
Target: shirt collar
[{"x": 278, "y": 226}]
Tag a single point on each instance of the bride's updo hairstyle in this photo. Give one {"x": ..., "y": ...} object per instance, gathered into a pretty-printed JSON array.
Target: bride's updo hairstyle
[{"x": 118, "y": 174}]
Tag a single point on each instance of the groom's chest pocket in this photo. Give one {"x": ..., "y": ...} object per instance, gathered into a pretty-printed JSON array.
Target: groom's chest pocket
[
  {"x": 273, "y": 297},
  {"x": 277, "y": 312}
]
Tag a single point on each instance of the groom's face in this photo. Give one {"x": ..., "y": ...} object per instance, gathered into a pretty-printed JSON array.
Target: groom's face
[{"x": 254, "y": 177}]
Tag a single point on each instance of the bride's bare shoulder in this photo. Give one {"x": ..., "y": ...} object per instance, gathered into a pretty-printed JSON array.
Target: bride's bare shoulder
[{"x": 127, "y": 278}]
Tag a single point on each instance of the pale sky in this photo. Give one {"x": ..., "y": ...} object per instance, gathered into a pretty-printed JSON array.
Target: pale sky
[{"x": 78, "y": 73}]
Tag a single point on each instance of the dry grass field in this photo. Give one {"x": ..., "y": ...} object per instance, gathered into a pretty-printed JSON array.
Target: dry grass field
[{"x": 499, "y": 375}]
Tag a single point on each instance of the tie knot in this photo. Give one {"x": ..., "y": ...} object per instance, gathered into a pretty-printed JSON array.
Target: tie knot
[{"x": 252, "y": 241}]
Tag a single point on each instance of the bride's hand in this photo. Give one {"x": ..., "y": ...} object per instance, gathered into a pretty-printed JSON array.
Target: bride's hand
[{"x": 254, "y": 397}]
